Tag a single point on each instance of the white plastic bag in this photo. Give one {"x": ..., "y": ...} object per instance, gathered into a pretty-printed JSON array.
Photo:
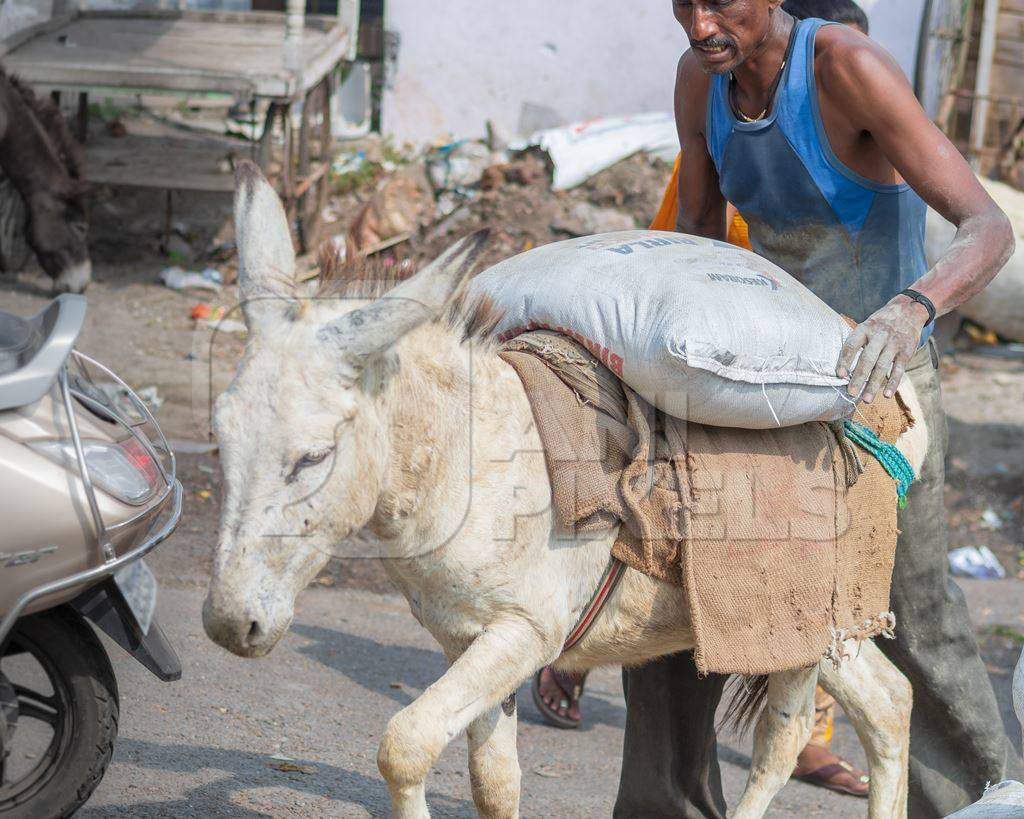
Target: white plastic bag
[
  {"x": 583, "y": 149},
  {"x": 703, "y": 330}
]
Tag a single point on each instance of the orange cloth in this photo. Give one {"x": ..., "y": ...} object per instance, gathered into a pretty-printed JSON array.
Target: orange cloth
[
  {"x": 739, "y": 233},
  {"x": 669, "y": 211}
]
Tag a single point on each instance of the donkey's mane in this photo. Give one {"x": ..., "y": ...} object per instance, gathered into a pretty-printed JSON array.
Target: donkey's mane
[
  {"x": 347, "y": 274},
  {"x": 53, "y": 122}
]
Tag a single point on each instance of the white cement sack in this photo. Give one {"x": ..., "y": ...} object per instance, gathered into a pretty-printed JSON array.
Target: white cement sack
[
  {"x": 1002, "y": 801},
  {"x": 703, "y": 330},
  {"x": 1000, "y": 306}
]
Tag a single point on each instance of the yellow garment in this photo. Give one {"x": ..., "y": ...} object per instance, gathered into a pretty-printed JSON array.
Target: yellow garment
[
  {"x": 669, "y": 211},
  {"x": 824, "y": 718}
]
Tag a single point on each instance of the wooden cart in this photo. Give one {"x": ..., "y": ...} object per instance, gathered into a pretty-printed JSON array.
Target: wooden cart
[{"x": 265, "y": 60}]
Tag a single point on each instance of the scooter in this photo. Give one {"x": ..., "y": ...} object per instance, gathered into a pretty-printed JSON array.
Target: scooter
[{"x": 87, "y": 487}]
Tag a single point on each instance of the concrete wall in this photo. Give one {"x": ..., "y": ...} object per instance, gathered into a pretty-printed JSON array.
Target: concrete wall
[
  {"x": 896, "y": 25},
  {"x": 511, "y": 62},
  {"x": 535, "y": 63}
]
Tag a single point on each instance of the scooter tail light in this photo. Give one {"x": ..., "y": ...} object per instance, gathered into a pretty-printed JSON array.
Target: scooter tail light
[
  {"x": 142, "y": 460},
  {"x": 122, "y": 469}
]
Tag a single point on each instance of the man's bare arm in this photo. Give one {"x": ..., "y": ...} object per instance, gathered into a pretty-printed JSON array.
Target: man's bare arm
[
  {"x": 701, "y": 204},
  {"x": 868, "y": 85}
]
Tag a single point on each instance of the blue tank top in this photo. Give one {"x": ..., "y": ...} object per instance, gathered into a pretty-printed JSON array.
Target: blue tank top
[{"x": 855, "y": 243}]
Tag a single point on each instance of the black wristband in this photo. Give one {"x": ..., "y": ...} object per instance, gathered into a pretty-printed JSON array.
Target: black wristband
[{"x": 923, "y": 300}]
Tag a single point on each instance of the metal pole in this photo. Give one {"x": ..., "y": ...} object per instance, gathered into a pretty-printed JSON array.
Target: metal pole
[
  {"x": 294, "y": 25},
  {"x": 986, "y": 56},
  {"x": 924, "y": 37}
]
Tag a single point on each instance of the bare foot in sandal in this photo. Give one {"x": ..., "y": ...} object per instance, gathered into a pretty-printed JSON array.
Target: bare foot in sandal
[
  {"x": 557, "y": 696},
  {"x": 819, "y": 766}
]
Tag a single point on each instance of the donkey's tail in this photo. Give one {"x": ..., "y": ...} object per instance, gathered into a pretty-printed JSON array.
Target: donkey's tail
[{"x": 747, "y": 697}]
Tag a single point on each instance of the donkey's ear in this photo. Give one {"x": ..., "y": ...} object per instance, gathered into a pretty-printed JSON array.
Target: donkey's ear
[
  {"x": 369, "y": 331},
  {"x": 266, "y": 271}
]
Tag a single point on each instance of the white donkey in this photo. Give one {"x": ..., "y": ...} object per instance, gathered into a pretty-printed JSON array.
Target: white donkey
[{"x": 383, "y": 416}]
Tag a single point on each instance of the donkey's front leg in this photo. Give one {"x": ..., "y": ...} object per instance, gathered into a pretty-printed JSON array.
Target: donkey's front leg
[
  {"x": 493, "y": 761},
  {"x": 490, "y": 669},
  {"x": 782, "y": 731}
]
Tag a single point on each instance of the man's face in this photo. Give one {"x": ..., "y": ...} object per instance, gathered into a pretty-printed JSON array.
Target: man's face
[{"x": 724, "y": 33}]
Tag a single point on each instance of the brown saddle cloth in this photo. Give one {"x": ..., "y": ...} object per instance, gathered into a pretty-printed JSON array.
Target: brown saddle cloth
[{"x": 782, "y": 540}]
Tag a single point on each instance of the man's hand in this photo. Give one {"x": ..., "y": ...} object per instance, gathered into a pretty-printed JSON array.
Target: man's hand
[{"x": 886, "y": 341}]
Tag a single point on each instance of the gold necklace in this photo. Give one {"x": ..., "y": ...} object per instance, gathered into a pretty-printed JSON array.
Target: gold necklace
[
  {"x": 771, "y": 93},
  {"x": 758, "y": 118}
]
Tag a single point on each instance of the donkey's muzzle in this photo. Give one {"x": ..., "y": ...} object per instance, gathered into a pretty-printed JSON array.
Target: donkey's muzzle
[{"x": 245, "y": 630}]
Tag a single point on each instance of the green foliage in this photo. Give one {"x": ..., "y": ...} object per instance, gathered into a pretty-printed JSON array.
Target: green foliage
[
  {"x": 363, "y": 177},
  {"x": 355, "y": 172},
  {"x": 107, "y": 110},
  {"x": 1006, "y": 632}
]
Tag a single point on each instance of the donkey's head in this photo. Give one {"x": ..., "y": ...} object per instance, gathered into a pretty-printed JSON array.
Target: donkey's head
[
  {"x": 58, "y": 227},
  {"x": 302, "y": 429}
]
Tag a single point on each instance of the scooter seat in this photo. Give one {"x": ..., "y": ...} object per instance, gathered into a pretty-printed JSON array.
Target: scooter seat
[{"x": 33, "y": 351}]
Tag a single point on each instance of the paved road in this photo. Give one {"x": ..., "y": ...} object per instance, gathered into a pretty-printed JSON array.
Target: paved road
[{"x": 205, "y": 746}]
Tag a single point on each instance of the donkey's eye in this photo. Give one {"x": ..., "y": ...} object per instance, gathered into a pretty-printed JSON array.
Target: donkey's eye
[{"x": 309, "y": 459}]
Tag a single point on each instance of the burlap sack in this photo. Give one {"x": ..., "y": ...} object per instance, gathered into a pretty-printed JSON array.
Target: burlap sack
[{"x": 782, "y": 539}]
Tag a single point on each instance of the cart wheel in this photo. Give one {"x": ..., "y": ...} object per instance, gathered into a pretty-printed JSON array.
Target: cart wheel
[{"x": 313, "y": 163}]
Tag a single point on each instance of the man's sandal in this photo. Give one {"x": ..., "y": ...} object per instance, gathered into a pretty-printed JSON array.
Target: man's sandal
[
  {"x": 832, "y": 776},
  {"x": 571, "y": 688}
]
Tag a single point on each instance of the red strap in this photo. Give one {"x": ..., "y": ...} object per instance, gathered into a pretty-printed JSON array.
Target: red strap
[{"x": 612, "y": 576}]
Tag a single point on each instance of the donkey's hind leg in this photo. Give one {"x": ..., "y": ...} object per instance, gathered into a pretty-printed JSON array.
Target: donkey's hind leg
[
  {"x": 877, "y": 698},
  {"x": 782, "y": 731},
  {"x": 493, "y": 666},
  {"x": 493, "y": 763}
]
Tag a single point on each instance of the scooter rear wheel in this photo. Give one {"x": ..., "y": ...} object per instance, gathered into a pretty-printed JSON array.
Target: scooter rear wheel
[{"x": 66, "y": 703}]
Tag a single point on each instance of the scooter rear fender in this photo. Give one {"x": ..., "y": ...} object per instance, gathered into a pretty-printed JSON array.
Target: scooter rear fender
[{"x": 105, "y": 606}]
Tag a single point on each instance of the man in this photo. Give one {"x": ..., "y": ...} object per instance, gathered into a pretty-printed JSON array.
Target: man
[{"x": 814, "y": 134}]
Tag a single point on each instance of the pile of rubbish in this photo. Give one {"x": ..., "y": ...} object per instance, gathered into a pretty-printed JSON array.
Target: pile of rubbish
[{"x": 592, "y": 177}]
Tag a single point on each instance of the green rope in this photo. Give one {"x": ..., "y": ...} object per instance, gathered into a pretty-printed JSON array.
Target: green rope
[{"x": 887, "y": 455}]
